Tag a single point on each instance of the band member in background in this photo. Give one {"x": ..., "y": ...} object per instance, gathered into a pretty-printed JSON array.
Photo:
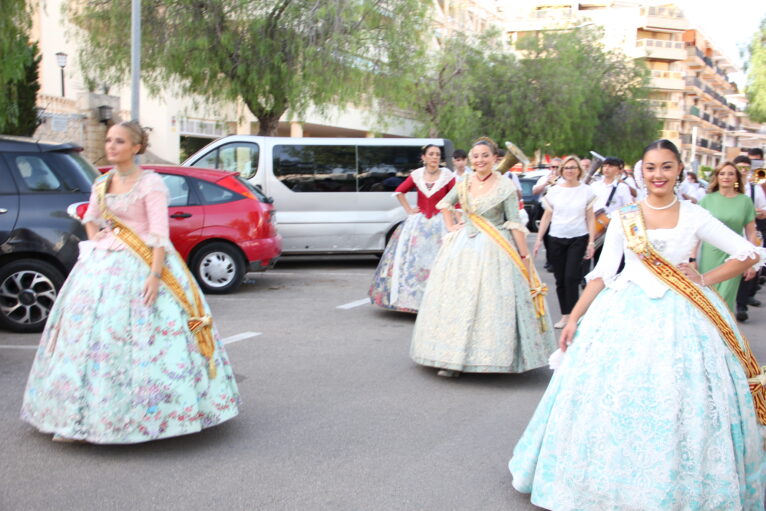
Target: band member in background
[
  {"x": 650, "y": 408},
  {"x": 691, "y": 189},
  {"x": 484, "y": 308},
  {"x": 460, "y": 165},
  {"x": 611, "y": 192},
  {"x": 747, "y": 288},
  {"x": 401, "y": 276},
  {"x": 539, "y": 189}
]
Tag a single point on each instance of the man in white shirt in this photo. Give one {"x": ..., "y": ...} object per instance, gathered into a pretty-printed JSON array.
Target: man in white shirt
[
  {"x": 748, "y": 288},
  {"x": 549, "y": 179},
  {"x": 611, "y": 192}
]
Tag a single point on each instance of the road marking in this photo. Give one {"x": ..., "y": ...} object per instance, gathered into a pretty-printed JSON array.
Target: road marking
[
  {"x": 17, "y": 347},
  {"x": 239, "y": 337},
  {"x": 356, "y": 303}
]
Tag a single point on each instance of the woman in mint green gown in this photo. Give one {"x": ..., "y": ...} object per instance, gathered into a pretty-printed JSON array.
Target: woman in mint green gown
[{"x": 727, "y": 203}]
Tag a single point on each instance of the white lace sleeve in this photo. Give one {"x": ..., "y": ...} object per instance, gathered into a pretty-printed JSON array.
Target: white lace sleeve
[
  {"x": 611, "y": 253},
  {"x": 713, "y": 231},
  {"x": 93, "y": 213}
]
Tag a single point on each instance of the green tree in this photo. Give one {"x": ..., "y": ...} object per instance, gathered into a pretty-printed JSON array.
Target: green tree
[
  {"x": 275, "y": 55},
  {"x": 14, "y": 24},
  {"x": 756, "y": 75},
  {"x": 562, "y": 93},
  {"x": 22, "y": 95},
  {"x": 445, "y": 96}
]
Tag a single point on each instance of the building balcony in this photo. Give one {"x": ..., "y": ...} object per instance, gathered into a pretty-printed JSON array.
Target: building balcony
[
  {"x": 659, "y": 49},
  {"x": 667, "y": 109},
  {"x": 664, "y": 17},
  {"x": 716, "y": 146},
  {"x": 669, "y": 80}
]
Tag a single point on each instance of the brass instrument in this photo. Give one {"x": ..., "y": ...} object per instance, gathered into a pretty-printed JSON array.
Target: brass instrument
[
  {"x": 596, "y": 162},
  {"x": 513, "y": 155},
  {"x": 759, "y": 176}
]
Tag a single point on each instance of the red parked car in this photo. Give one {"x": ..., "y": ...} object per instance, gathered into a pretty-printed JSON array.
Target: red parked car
[{"x": 220, "y": 224}]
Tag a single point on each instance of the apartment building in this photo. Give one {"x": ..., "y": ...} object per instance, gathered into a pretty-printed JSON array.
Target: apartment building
[{"x": 700, "y": 107}]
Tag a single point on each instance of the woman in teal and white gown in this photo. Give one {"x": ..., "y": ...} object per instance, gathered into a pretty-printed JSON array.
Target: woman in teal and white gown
[{"x": 650, "y": 409}]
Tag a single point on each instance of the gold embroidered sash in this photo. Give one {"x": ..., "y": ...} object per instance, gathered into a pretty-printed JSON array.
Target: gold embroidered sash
[
  {"x": 200, "y": 323},
  {"x": 635, "y": 233},
  {"x": 537, "y": 289}
]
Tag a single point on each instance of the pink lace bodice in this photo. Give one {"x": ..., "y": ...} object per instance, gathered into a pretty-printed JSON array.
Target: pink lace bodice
[{"x": 144, "y": 209}]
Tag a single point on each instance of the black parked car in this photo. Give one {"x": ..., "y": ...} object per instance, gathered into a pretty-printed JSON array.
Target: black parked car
[
  {"x": 531, "y": 203},
  {"x": 38, "y": 240}
]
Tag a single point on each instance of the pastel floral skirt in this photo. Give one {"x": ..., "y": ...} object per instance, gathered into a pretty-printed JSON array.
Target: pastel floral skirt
[
  {"x": 648, "y": 411},
  {"x": 401, "y": 276},
  {"x": 111, "y": 370},
  {"x": 477, "y": 314}
]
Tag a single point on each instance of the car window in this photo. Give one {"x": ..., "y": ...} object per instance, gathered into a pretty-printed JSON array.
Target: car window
[
  {"x": 84, "y": 165},
  {"x": 214, "y": 194},
  {"x": 382, "y": 169},
  {"x": 239, "y": 157},
  {"x": 36, "y": 175},
  {"x": 209, "y": 161},
  {"x": 178, "y": 190},
  {"x": 316, "y": 168}
]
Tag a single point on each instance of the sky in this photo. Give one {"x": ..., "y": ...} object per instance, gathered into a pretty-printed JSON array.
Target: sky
[{"x": 730, "y": 24}]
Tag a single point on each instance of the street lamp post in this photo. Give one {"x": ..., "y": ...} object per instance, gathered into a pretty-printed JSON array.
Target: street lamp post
[{"x": 61, "y": 61}]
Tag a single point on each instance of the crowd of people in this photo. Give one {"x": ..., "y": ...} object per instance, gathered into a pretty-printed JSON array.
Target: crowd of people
[{"x": 656, "y": 401}]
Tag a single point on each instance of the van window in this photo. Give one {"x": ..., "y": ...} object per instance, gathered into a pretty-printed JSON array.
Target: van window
[
  {"x": 316, "y": 168},
  {"x": 382, "y": 169},
  {"x": 239, "y": 157}
]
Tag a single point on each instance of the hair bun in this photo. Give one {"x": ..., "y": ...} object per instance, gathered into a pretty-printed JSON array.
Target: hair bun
[{"x": 139, "y": 134}]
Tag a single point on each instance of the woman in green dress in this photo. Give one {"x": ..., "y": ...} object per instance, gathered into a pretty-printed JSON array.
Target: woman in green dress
[{"x": 727, "y": 202}]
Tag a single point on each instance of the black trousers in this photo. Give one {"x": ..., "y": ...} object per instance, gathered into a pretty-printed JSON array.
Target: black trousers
[{"x": 566, "y": 257}]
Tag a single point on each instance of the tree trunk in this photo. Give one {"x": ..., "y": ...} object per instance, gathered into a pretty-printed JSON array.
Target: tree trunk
[{"x": 268, "y": 118}]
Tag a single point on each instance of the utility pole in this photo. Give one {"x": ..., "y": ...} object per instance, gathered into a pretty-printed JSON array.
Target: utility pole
[{"x": 135, "y": 58}]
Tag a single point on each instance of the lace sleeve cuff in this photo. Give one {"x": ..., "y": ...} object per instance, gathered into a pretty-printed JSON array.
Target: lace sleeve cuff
[
  {"x": 93, "y": 217},
  {"x": 750, "y": 252},
  {"x": 516, "y": 226},
  {"x": 443, "y": 204},
  {"x": 154, "y": 240}
]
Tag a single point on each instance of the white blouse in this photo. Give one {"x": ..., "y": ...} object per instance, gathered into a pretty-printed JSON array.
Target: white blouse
[
  {"x": 568, "y": 205},
  {"x": 677, "y": 245},
  {"x": 621, "y": 197}
]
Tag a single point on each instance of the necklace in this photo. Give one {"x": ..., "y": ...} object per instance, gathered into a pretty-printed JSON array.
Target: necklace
[
  {"x": 482, "y": 180},
  {"x": 124, "y": 176},
  {"x": 646, "y": 203}
]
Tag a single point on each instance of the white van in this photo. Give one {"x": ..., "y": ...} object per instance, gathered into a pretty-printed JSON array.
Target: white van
[{"x": 332, "y": 195}]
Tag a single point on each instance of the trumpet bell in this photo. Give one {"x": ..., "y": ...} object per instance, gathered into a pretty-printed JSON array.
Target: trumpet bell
[
  {"x": 512, "y": 156},
  {"x": 759, "y": 176}
]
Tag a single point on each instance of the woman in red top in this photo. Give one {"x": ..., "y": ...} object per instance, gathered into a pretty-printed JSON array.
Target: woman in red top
[{"x": 403, "y": 270}]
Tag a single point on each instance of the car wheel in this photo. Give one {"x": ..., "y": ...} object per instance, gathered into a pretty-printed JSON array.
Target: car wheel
[
  {"x": 218, "y": 268},
  {"x": 28, "y": 289}
]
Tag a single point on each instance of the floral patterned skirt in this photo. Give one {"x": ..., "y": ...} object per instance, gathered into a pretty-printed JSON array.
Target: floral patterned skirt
[
  {"x": 477, "y": 314},
  {"x": 649, "y": 410},
  {"x": 111, "y": 370},
  {"x": 403, "y": 270}
]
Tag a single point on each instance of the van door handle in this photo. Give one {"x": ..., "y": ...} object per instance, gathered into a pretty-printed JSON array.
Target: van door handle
[
  {"x": 3, "y": 210},
  {"x": 180, "y": 215}
]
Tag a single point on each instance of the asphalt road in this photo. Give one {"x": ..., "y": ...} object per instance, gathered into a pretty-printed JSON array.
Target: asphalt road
[{"x": 335, "y": 416}]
